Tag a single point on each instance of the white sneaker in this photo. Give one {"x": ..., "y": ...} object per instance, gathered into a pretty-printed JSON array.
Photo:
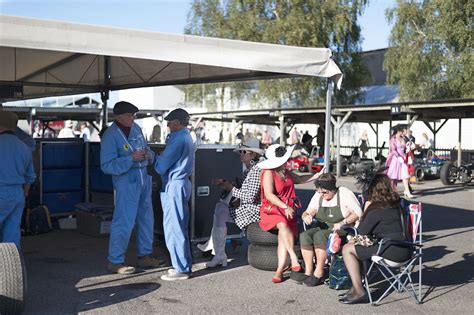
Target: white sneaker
[
  {"x": 172, "y": 271},
  {"x": 176, "y": 276}
]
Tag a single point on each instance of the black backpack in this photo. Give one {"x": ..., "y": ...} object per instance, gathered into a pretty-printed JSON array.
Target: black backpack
[{"x": 38, "y": 220}]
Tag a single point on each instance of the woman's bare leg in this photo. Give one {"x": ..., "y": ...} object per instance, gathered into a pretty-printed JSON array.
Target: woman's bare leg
[
  {"x": 288, "y": 241},
  {"x": 320, "y": 261},
  {"x": 282, "y": 256},
  {"x": 307, "y": 252}
]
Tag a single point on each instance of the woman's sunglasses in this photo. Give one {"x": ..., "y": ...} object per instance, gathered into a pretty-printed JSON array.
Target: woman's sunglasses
[{"x": 244, "y": 151}]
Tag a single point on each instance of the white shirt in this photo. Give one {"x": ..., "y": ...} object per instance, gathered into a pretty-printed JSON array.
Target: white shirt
[
  {"x": 349, "y": 202},
  {"x": 66, "y": 133}
]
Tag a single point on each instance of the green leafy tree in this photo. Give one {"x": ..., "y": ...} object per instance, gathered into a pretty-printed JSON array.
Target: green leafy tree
[
  {"x": 305, "y": 23},
  {"x": 431, "y": 54}
]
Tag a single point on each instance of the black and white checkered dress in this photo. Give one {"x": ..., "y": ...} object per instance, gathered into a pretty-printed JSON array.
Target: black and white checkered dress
[{"x": 249, "y": 195}]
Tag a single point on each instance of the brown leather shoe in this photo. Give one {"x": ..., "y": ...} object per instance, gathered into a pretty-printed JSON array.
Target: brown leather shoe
[
  {"x": 121, "y": 269},
  {"x": 147, "y": 262}
]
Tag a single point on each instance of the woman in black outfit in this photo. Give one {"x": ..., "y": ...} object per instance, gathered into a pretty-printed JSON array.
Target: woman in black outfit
[{"x": 381, "y": 219}]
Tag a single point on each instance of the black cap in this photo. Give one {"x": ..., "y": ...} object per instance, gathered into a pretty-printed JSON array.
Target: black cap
[
  {"x": 177, "y": 114},
  {"x": 123, "y": 107}
]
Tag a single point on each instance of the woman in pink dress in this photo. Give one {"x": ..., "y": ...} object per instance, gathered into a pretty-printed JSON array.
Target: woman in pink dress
[
  {"x": 279, "y": 203},
  {"x": 396, "y": 161}
]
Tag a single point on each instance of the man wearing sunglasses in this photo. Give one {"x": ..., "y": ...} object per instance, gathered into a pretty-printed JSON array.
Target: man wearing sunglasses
[
  {"x": 175, "y": 165},
  {"x": 125, "y": 154}
]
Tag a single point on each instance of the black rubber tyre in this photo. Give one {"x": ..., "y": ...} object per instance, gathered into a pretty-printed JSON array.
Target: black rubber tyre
[
  {"x": 447, "y": 173},
  {"x": 419, "y": 174},
  {"x": 266, "y": 257},
  {"x": 12, "y": 280},
  {"x": 257, "y": 236},
  {"x": 263, "y": 257}
]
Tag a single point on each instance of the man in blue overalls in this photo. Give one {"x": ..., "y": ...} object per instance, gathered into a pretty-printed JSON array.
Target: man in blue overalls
[
  {"x": 16, "y": 176},
  {"x": 175, "y": 166},
  {"x": 125, "y": 154}
]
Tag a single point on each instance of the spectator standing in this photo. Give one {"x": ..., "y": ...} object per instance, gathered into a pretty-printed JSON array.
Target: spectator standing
[
  {"x": 85, "y": 132},
  {"x": 67, "y": 131},
  {"x": 295, "y": 136},
  {"x": 426, "y": 143},
  {"x": 16, "y": 176},
  {"x": 124, "y": 154},
  {"x": 175, "y": 167},
  {"x": 156, "y": 134},
  {"x": 364, "y": 143},
  {"x": 266, "y": 139}
]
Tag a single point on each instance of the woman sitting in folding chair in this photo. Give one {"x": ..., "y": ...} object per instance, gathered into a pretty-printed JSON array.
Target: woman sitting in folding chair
[{"x": 381, "y": 219}]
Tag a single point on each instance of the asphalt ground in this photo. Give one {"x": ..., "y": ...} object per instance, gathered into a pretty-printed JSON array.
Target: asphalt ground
[{"x": 66, "y": 273}]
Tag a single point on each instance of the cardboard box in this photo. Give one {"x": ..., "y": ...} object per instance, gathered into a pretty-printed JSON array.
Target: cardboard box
[{"x": 94, "y": 220}]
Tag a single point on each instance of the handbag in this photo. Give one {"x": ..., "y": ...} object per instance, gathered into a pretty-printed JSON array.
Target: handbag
[
  {"x": 364, "y": 240},
  {"x": 338, "y": 275}
]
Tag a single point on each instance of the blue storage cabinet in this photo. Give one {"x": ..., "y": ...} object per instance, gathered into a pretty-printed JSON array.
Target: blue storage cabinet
[
  {"x": 62, "y": 175},
  {"x": 101, "y": 189}
]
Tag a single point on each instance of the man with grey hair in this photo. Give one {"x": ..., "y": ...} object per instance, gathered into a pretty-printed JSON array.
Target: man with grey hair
[{"x": 175, "y": 166}]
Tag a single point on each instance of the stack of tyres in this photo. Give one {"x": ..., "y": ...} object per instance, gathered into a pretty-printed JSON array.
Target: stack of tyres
[{"x": 262, "y": 251}]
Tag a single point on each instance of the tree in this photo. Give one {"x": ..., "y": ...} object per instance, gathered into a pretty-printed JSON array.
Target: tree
[
  {"x": 306, "y": 23},
  {"x": 430, "y": 55}
]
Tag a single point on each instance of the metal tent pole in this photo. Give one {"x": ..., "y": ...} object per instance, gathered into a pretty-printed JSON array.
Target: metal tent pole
[{"x": 327, "y": 138}]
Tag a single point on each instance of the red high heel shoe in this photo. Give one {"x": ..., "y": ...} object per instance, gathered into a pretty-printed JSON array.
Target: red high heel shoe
[
  {"x": 277, "y": 280},
  {"x": 296, "y": 268}
]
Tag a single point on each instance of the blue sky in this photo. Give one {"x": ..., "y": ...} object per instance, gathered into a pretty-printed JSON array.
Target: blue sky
[{"x": 163, "y": 16}]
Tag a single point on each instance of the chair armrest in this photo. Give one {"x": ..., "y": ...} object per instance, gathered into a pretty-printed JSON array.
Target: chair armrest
[{"x": 349, "y": 229}]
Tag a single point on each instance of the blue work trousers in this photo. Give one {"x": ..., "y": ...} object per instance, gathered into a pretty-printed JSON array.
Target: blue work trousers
[
  {"x": 12, "y": 202},
  {"x": 175, "y": 204},
  {"x": 133, "y": 206}
]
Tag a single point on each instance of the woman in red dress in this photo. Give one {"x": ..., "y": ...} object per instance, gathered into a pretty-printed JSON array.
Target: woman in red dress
[{"x": 279, "y": 202}]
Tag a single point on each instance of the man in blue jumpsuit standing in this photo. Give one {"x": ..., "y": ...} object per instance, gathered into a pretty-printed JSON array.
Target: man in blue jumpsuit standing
[
  {"x": 124, "y": 154},
  {"x": 16, "y": 176},
  {"x": 175, "y": 166}
]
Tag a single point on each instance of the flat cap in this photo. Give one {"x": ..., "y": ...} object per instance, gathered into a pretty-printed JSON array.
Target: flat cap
[
  {"x": 177, "y": 114},
  {"x": 123, "y": 107},
  {"x": 8, "y": 120}
]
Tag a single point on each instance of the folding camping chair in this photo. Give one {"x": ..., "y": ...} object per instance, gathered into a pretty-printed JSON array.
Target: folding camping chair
[{"x": 398, "y": 275}]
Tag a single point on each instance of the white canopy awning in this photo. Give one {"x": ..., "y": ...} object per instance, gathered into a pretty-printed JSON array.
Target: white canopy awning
[{"x": 44, "y": 58}]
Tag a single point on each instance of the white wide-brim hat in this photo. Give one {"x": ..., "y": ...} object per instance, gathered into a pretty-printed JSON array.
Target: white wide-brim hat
[
  {"x": 251, "y": 144},
  {"x": 276, "y": 155}
]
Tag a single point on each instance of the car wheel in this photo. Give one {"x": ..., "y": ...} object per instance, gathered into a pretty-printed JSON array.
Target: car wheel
[
  {"x": 419, "y": 174},
  {"x": 448, "y": 173}
]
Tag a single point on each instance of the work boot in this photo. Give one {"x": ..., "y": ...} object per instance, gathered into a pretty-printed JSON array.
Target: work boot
[
  {"x": 121, "y": 268},
  {"x": 147, "y": 262}
]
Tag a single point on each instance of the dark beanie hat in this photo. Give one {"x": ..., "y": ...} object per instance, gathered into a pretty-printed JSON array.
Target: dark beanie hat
[
  {"x": 123, "y": 107},
  {"x": 8, "y": 120},
  {"x": 177, "y": 114}
]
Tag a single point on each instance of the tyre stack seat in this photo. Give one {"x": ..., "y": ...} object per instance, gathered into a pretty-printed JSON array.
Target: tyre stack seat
[{"x": 262, "y": 251}]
